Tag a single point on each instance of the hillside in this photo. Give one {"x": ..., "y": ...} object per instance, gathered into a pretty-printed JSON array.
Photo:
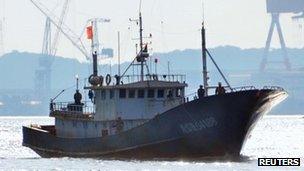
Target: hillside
[{"x": 241, "y": 66}]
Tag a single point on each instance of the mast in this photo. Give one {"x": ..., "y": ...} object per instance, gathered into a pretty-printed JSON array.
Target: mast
[
  {"x": 141, "y": 48},
  {"x": 95, "y": 63},
  {"x": 118, "y": 54},
  {"x": 204, "y": 59}
]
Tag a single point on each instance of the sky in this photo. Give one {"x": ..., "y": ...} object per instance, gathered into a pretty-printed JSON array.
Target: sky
[{"x": 174, "y": 24}]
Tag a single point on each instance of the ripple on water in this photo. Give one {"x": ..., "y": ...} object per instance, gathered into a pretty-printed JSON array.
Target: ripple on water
[{"x": 272, "y": 137}]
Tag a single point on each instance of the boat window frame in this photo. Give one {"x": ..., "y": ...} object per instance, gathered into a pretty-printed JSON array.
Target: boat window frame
[
  {"x": 103, "y": 94},
  {"x": 159, "y": 94},
  {"x": 134, "y": 95},
  {"x": 124, "y": 94},
  {"x": 139, "y": 95},
  {"x": 178, "y": 92},
  {"x": 148, "y": 93},
  {"x": 112, "y": 93}
]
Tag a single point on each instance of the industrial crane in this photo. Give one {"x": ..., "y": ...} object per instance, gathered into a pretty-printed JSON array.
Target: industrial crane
[
  {"x": 49, "y": 49},
  {"x": 275, "y": 8},
  {"x": 43, "y": 76},
  {"x": 66, "y": 31},
  {"x": 70, "y": 34},
  {"x": 58, "y": 31},
  {"x": 49, "y": 46}
]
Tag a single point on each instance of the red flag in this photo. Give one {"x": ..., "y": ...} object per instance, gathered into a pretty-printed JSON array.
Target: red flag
[{"x": 90, "y": 32}]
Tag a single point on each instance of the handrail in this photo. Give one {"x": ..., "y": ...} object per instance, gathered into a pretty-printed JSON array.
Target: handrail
[
  {"x": 239, "y": 89},
  {"x": 273, "y": 88},
  {"x": 72, "y": 108},
  {"x": 126, "y": 79},
  {"x": 243, "y": 88}
]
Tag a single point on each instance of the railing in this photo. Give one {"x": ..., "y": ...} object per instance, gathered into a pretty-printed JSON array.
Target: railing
[
  {"x": 244, "y": 88},
  {"x": 149, "y": 77},
  {"x": 85, "y": 108},
  {"x": 112, "y": 80},
  {"x": 273, "y": 88},
  {"x": 236, "y": 89}
]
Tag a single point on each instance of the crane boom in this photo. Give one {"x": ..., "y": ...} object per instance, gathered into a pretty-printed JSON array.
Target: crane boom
[
  {"x": 57, "y": 34},
  {"x": 66, "y": 31}
]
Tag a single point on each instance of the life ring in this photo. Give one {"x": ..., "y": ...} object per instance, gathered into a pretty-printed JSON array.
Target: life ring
[{"x": 108, "y": 79}]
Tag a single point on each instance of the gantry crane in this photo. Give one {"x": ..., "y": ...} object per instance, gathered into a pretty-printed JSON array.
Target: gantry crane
[{"x": 275, "y": 8}]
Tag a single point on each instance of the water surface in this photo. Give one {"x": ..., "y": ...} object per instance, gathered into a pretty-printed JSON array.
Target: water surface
[{"x": 273, "y": 136}]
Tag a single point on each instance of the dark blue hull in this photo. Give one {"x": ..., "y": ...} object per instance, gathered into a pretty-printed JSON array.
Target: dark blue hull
[{"x": 210, "y": 127}]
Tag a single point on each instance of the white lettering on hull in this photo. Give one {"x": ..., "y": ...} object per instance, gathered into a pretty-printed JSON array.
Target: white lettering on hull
[{"x": 190, "y": 127}]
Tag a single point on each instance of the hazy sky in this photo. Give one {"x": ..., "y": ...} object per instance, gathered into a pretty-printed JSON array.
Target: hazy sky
[{"x": 174, "y": 24}]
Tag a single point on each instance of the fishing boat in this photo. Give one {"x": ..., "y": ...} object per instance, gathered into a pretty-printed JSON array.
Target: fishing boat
[{"x": 149, "y": 116}]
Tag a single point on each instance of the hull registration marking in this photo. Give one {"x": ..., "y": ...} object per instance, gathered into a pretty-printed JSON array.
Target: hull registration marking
[{"x": 190, "y": 127}]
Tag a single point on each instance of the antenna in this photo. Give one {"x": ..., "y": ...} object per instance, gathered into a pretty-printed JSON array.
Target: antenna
[
  {"x": 203, "y": 12},
  {"x": 77, "y": 82},
  {"x": 139, "y": 9},
  {"x": 143, "y": 52},
  {"x": 141, "y": 47},
  {"x": 118, "y": 52}
]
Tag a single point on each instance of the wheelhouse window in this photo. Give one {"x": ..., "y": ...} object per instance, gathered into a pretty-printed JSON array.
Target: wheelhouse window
[
  {"x": 131, "y": 93},
  {"x": 112, "y": 94},
  {"x": 151, "y": 93},
  {"x": 178, "y": 92},
  {"x": 103, "y": 94},
  {"x": 160, "y": 93},
  {"x": 122, "y": 93},
  {"x": 140, "y": 93}
]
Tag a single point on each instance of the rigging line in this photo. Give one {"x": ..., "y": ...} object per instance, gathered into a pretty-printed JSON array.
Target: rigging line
[
  {"x": 57, "y": 4},
  {"x": 128, "y": 68},
  {"x": 219, "y": 70}
]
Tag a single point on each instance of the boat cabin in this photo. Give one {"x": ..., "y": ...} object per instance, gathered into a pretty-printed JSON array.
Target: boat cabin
[
  {"x": 119, "y": 106},
  {"x": 114, "y": 108},
  {"x": 138, "y": 100}
]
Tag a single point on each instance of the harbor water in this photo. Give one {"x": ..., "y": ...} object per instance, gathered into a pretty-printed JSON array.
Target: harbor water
[{"x": 273, "y": 136}]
